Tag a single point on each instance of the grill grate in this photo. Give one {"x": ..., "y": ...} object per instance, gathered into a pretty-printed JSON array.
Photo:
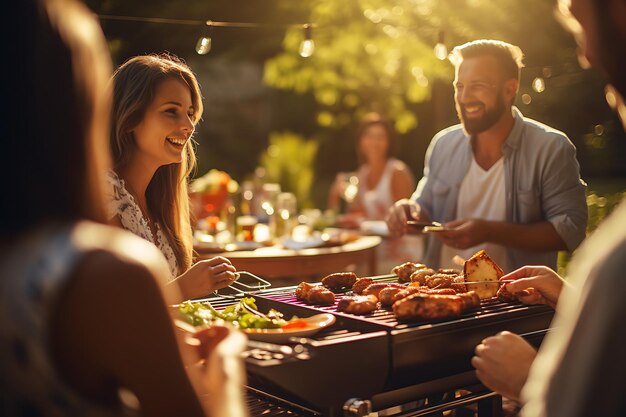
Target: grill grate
[{"x": 386, "y": 317}]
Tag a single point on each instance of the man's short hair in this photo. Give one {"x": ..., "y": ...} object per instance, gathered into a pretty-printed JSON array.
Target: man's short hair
[{"x": 509, "y": 57}]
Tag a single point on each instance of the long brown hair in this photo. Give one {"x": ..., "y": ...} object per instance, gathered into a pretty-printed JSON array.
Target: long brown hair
[
  {"x": 57, "y": 117},
  {"x": 134, "y": 86}
]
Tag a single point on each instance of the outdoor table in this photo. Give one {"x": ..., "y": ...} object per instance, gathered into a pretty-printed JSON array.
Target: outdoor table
[{"x": 276, "y": 263}]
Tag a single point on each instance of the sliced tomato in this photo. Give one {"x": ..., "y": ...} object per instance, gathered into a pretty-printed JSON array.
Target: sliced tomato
[{"x": 296, "y": 324}]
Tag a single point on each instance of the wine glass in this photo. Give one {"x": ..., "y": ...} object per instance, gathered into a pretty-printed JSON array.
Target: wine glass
[{"x": 348, "y": 186}]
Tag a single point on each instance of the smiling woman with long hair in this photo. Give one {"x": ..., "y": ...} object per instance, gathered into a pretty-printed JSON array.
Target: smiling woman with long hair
[{"x": 156, "y": 105}]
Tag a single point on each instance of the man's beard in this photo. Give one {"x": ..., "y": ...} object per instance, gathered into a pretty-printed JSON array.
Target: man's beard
[{"x": 473, "y": 126}]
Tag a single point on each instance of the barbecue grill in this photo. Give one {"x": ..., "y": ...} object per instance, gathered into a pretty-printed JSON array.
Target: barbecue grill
[{"x": 375, "y": 363}]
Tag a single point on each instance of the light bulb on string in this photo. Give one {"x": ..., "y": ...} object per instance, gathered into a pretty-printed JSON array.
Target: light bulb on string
[
  {"x": 441, "y": 52},
  {"x": 203, "y": 46},
  {"x": 539, "y": 85},
  {"x": 307, "y": 46}
]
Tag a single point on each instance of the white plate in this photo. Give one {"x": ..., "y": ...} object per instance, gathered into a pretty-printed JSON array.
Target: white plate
[
  {"x": 243, "y": 245},
  {"x": 311, "y": 242},
  {"x": 375, "y": 227},
  {"x": 313, "y": 325}
]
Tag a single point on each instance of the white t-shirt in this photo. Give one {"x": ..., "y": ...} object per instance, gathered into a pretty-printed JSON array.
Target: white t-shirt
[{"x": 482, "y": 196}]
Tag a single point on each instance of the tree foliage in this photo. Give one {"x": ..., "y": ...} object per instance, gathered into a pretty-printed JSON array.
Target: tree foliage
[{"x": 378, "y": 55}]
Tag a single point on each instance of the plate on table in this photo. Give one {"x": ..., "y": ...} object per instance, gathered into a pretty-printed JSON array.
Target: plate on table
[
  {"x": 299, "y": 328},
  {"x": 310, "y": 242},
  {"x": 375, "y": 227},
  {"x": 208, "y": 247},
  {"x": 243, "y": 245}
]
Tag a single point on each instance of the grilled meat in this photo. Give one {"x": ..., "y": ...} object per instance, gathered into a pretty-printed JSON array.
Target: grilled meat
[
  {"x": 421, "y": 274},
  {"x": 439, "y": 281},
  {"x": 361, "y": 284},
  {"x": 339, "y": 280},
  {"x": 314, "y": 294},
  {"x": 405, "y": 270},
  {"x": 428, "y": 307},
  {"x": 374, "y": 289},
  {"x": 358, "y": 304},
  {"x": 449, "y": 271},
  {"x": 432, "y": 304},
  {"x": 440, "y": 291},
  {"x": 458, "y": 284},
  {"x": 390, "y": 295},
  {"x": 427, "y": 290},
  {"x": 470, "y": 300}
]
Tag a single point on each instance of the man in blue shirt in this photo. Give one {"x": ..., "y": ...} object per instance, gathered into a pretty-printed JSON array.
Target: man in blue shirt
[{"x": 498, "y": 181}]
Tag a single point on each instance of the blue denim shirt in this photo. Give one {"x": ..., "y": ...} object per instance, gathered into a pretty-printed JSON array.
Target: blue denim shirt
[{"x": 542, "y": 182}]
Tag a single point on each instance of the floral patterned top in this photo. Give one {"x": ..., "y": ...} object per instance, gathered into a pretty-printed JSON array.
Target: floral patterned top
[
  {"x": 121, "y": 203},
  {"x": 34, "y": 271}
]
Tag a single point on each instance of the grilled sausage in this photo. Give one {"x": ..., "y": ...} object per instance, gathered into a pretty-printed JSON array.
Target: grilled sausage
[
  {"x": 470, "y": 300},
  {"x": 339, "y": 280},
  {"x": 361, "y": 284},
  {"x": 374, "y": 289},
  {"x": 358, "y": 304},
  {"x": 390, "y": 295},
  {"x": 428, "y": 307}
]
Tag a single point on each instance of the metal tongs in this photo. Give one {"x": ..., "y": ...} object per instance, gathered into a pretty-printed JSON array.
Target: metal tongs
[{"x": 240, "y": 289}]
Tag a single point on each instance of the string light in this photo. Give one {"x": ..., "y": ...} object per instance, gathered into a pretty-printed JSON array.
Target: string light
[
  {"x": 307, "y": 46},
  {"x": 441, "y": 52},
  {"x": 203, "y": 46},
  {"x": 539, "y": 84}
]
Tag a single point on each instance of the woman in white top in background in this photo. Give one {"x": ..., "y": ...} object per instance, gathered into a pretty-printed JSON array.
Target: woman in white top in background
[
  {"x": 382, "y": 180},
  {"x": 156, "y": 105}
]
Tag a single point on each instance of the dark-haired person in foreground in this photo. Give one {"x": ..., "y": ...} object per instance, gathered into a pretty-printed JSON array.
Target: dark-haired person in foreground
[
  {"x": 579, "y": 369},
  {"x": 85, "y": 325},
  {"x": 498, "y": 181}
]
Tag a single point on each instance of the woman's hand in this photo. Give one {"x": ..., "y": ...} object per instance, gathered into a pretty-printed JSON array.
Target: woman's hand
[
  {"x": 535, "y": 285},
  {"x": 502, "y": 363},
  {"x": 206, "y": 276}
]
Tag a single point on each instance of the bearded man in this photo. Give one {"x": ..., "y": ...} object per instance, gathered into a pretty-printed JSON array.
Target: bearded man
[{"x": 498, "y": 181}]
